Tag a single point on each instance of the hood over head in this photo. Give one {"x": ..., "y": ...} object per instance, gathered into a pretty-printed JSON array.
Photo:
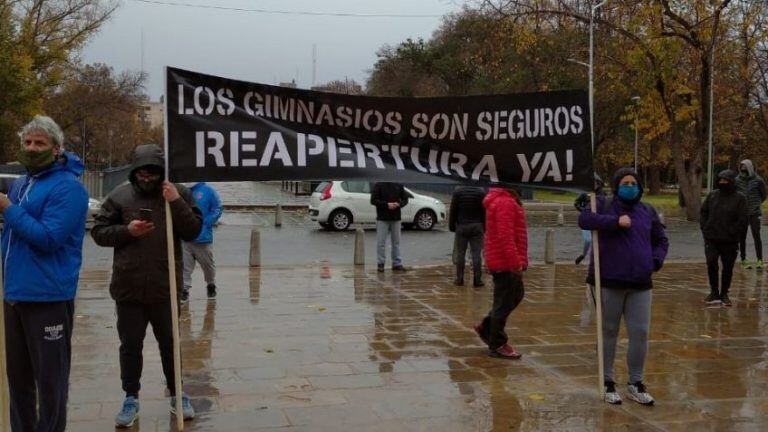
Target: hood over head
[
  {"x": 746, "y": 163},
  {"x": 620, "y": 174},
  {"x": 147, "y": 155}
]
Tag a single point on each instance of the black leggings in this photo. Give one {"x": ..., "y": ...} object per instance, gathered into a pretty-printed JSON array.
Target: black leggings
[{"x": 754, "y": 225}]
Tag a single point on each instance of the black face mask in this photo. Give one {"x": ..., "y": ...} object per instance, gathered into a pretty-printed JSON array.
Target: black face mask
[
  {"x": 149, "y": 187},
  {"x": 727, "y": 187}
]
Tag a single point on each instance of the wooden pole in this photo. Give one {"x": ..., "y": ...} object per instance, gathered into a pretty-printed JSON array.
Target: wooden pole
[
  {"x": 5, "y": 399},
  {"x": 172, "y": 274},
  {"x": 598, "y": 305},
  {"x": 174, "y": 316}
]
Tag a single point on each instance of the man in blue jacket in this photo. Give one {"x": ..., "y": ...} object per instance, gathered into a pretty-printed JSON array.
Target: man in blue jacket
[
  {"x": 42, "y": 242},
  {"x": 201, "y": 249}
]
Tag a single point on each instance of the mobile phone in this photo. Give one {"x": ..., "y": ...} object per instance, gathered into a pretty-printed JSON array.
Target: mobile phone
[{"x": 145, "y": 214}]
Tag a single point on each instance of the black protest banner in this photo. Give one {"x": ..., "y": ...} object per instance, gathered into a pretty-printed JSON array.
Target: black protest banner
[{"x": 226, "y": 130}]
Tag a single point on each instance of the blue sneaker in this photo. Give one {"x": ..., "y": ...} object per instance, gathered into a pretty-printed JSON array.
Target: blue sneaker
[
  {"x": 128, "y": 413},
  {"x": 186, "y": 407}
]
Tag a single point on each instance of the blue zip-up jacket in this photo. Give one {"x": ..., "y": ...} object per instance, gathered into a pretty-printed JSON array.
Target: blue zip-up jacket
[
  {"x": 208, "y": 201},
  {"x": 42, "y": 240}
]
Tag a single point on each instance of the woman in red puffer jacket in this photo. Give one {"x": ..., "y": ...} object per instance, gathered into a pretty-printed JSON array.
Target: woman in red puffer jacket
[{"x": 506, "y": 256}]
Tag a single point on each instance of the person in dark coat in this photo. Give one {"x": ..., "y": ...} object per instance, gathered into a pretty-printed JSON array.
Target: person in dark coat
[
  {"x": 633, "y": 246},
  {"x": 132, "y": 221},
  {"x": 723, "y": 221},
  {"x": 389, "y": 199},
  {"x": 753, "y": 187},
  {"x": 467, "y": 220}
]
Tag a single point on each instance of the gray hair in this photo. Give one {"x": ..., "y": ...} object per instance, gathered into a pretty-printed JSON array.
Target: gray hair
[{"x": 47, "y": 126}]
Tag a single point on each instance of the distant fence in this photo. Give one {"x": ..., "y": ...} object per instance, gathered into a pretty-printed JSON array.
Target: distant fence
[{"x": 98, "y": 183}]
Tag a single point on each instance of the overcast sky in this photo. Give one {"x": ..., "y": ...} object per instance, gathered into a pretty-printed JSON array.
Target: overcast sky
[{"x": 259, "y": 46}]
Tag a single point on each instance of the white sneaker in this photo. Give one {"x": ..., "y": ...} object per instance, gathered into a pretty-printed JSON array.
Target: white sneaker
[
  {"x": 611, "y": 395},
  {"x": 638, "y": 393}
]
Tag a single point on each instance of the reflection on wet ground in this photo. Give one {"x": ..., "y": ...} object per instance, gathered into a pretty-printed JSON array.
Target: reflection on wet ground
[{"x": 335, "y": 348}]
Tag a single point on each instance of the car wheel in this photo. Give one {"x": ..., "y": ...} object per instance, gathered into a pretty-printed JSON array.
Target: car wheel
[
  {"x": 340, "y": 219},
  {"x": 425, "y": 219}
]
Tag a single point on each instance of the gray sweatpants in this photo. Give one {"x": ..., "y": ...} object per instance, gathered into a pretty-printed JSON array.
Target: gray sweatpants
[
  {"x": 635, "y": 307},
  {"x": 202, "y": 253},
  {"x": 384, "y": 229}
]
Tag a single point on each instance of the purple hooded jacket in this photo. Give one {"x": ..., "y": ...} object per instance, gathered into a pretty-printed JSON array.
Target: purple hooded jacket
[{"x": 628, "y": 257}]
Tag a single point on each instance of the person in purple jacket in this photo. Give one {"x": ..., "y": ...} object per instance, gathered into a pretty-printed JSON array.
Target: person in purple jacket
[{"x": 633, "y": 245}]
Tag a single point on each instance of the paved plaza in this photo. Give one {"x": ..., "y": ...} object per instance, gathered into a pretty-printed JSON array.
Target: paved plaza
[{"x": 334, "y": 348}]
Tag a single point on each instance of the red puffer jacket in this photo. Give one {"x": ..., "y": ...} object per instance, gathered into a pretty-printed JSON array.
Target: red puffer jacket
[{"x": 506, "y": 234}]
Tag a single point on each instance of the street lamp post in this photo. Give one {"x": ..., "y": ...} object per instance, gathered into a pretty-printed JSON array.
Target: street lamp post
[
  {"x": 591, "y": 73},
  {"x": 711, "y": 162},
  {"x": 636, "y": 100}
]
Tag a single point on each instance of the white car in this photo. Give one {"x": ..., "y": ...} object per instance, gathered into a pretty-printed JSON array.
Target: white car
[{"x": 337, "y": 204}]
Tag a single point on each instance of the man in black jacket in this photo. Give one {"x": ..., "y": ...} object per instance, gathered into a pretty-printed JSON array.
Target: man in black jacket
[
  {"x": 388, "y": 198},
  {"x": 132, "y": 221},
  {"x": 467, "y": 219},
  {"x": 753, "y": 187},
  {"x": 723, "y": 221}
]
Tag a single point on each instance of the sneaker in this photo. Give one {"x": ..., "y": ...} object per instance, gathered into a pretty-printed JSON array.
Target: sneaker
[
  {"x": 479, "y": 331},
  {"x": 211, "y": 288},
  {"x": 759, "y": 265},
  {"x": 726, "y": 301},
  {"x": 184, "y": 296},
  {"x": 477, "y": 283},
  {"x": 746, "y": 264},
  {"x": 458, "y": 282},
  {"x": 611, "y": 395},
  {"x": 506, "y": 352},
  {"x": 712, "y": 299},
  {"x": 399, "y": 268},
  {"x": 186, "y": 407},
  {"x": 579, "y": 259},
  {"x": 380, "y": 268},
  {"x": 128, "y": 413},
  {"x": 639, "y": 394}
]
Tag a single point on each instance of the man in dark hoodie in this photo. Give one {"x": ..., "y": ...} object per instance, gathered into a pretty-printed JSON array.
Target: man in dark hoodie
[
  {"x": 467, "y": 220},
  {"x": 723, "y": 221},
  {"x": 388, "y": 198},
  {"x": 753, "y": 187},
  {"x": 132, "y": 220}
]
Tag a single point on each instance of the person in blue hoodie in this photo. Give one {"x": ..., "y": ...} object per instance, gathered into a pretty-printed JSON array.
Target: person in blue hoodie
[
  {"x": 42, "y": 241},
  {"x": 201, "y": 249}
]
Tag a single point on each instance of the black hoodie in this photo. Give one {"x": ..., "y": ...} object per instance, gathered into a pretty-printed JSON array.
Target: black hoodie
[
  {"x": 140, "y": 265},
  {"x": 724, "y": 212}
]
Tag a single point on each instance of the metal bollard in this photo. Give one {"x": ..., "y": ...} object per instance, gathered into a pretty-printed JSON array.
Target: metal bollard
[
  {"x": 560, "y": 217},
  {"x": 549, "y": 247},
  {"x": 359, "y": 247},
  {"x": 254, "y": 259},
  {"x": 278, "y": 215}
]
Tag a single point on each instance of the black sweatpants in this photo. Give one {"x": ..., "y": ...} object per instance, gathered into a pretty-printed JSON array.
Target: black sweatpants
[
  {"x": 508, "y": 292},
  {"x": 132, "y": 320},
  {"x": 469, "y": 234},
  {"x": 38, "y": 339},
  {"x": 725, "y": 252},
  {"x": 753, "y": 223}
]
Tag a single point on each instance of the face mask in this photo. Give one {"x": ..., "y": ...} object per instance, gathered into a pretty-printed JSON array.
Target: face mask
[
  {"x": 35, "y": 161},
  {"x": 745, "y": 172},
  {"x": 149, "y": 187},
  {"x": 628, "y": 193},
  {"x": 727, "y": 187}
]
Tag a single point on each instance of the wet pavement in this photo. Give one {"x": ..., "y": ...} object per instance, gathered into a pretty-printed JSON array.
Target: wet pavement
[{"x": 334, "y": 348}]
